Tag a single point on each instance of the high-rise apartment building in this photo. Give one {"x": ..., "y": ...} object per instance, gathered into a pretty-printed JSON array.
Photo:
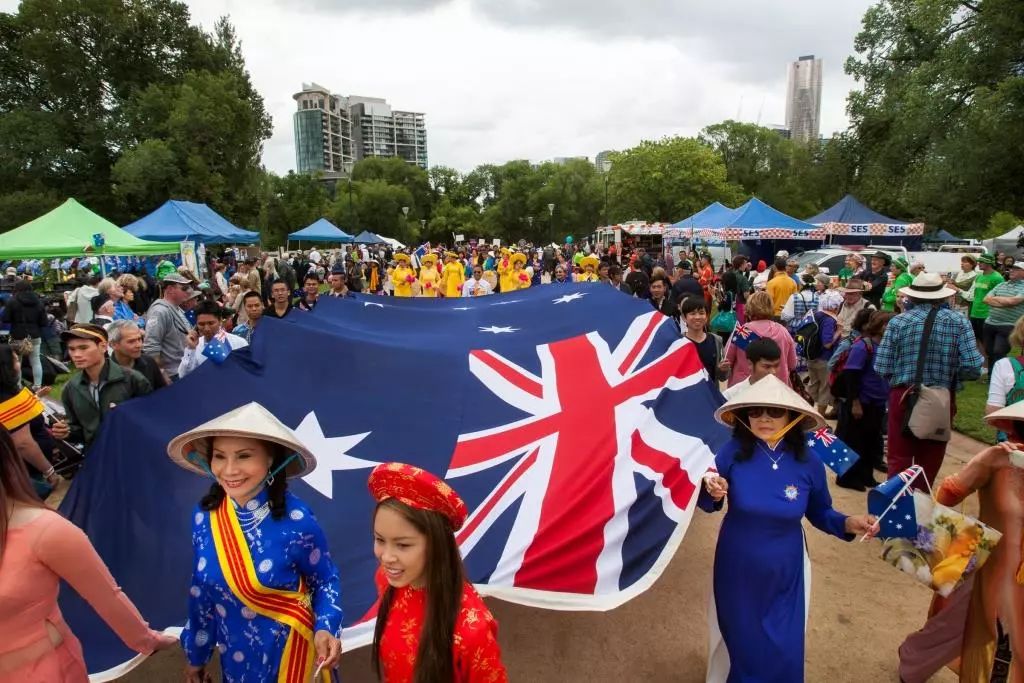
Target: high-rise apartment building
[
  {"x": 803, "y": 99},
  {"x": 333, "y": 132},
  {"x": 602, "y": 160}
]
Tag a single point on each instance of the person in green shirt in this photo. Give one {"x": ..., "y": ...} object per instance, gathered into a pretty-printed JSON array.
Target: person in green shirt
[
  {"x": 903, "y": 279},
  {"x": 983, "y": 284},
  {"x": 1006, "y": 307},
  {"x": 853, "y": 265}
]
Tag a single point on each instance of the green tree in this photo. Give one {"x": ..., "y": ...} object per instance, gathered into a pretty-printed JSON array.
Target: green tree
[
  {"x": 939, "y": 123},
  {"x": 70, "y": 75},
  {"x": 378, "y": 204},
  {"x": 398, "y": 173},
  {"x": 667, "y": 180},
  {"x": 289, "y": 203}
]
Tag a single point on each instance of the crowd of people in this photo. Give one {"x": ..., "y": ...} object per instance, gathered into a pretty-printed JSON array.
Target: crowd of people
[{"x": 786, "y": 348}]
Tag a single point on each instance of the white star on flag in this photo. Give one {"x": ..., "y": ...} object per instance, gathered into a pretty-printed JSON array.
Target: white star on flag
[
  {"x": 494, "y": 329},
  {"x": 899, "y": 526},
  {"x": 370, "y": 303},
  {"x": 331, "y": 454},
  {"x": 461, "y": 308},
  {"x": 569, "y": 297},
  {"x": 810, "y": 442},
  {"x": 506, "y": 303}
]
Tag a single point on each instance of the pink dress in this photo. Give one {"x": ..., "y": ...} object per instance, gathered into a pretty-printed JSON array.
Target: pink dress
[
  {"x": 36, "y": 556},
  {"x": 772, "y": 330}
]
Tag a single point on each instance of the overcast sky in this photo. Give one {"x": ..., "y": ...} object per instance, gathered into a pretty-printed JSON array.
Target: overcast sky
[{"x": 537, "y": 79}]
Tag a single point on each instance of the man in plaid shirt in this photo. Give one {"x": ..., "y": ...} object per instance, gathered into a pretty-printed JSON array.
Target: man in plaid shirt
[{"x": 952, "y": 355}]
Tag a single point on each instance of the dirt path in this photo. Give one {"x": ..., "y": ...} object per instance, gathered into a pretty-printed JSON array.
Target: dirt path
[{"x": 856, "y": 621}]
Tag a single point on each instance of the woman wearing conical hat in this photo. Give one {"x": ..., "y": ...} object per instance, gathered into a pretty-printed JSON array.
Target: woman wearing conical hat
[
  {"x": 432, "y": 626},
  {"x": 761, "y": 586},
  {"x": 982, "y": 621},
  {"x": 589, "y": 265},
  {"x": 453, "y": 276},
  {"x": 519, "y": 277},
  {"x": 430, "y": 278},
  {"x": 264, "y": 590}
]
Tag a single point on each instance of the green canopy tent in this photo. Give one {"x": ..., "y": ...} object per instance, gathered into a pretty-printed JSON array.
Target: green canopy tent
[{"x": 68, "y": 231}]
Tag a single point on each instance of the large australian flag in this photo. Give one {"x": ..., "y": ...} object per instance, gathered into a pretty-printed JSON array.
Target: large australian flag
[{"x": 575, "y": 422}]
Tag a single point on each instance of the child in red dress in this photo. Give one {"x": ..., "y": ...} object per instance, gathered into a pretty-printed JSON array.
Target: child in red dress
[{"x": 432, "y": 626}]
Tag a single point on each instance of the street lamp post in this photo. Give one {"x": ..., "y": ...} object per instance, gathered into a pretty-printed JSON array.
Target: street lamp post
[
  {"x": 606, "y": 167},
  {"x": 551, "y": 220}
]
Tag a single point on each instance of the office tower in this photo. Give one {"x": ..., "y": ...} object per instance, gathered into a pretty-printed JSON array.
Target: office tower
[
  {"x": 333, "y": 132},
  {"x": 803, "y": 99}
]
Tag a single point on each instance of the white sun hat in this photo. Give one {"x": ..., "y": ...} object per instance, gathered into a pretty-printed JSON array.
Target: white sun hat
[
  {"x": 772, "y": 392},
  {"x": 251, "y": 421},
  {"x": 928, "y": 286}
]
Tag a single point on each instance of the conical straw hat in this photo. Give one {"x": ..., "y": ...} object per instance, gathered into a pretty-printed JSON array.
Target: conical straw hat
[
  {"x": 1010, "y": 412},
  {"x": 770, "y": 391},
  {"x": 251, "y": 421}
]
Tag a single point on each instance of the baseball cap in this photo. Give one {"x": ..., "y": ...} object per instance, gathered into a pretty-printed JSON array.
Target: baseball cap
[
  {"x": 176, "y": 279},
  {"x": 87, "y": 331},
  {"x": 1018, "y": 264}
]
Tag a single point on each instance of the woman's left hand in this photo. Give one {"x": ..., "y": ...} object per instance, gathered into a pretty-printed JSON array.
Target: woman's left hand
[
  {"x": 328, "y": 650},
  {"x": 862, "y": 524},
  {"x": 725, "y": 366}
]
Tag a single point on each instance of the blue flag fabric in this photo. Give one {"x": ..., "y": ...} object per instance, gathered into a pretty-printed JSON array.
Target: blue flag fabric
[
  {"x": 744, "y": 335},
  {"x": 832, "y": 450},
  {"x": 575, "y": 422},
  {"x": 217, "y": 349},
  {"x": 893, "y": 503}
]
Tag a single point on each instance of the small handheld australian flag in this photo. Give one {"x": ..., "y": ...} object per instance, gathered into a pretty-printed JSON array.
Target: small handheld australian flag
[
  {"x": 831, "y": 450},
  {"x": 217, "y": 349},
  {"x": 893, "y": 503},
  {"x": 744, "y": 335}
]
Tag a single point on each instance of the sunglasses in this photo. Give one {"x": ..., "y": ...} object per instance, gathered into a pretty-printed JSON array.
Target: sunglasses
[{"x": 773, "y": 412}]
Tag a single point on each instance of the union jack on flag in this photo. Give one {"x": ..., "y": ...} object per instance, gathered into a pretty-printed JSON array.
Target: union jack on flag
[{"x": 592, "y": 441}]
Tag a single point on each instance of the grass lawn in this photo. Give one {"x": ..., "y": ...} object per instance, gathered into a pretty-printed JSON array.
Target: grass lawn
[{"x": 970, "y": 409}]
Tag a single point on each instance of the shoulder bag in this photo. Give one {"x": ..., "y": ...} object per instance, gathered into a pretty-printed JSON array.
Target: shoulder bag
[{"x": 927, "y": 409}]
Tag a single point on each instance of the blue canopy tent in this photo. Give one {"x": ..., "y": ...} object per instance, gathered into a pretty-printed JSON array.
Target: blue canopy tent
[
  {"x": 178, "y": 221},
  {"x": 758, "y": 226},
  {"x": 367, "y": 237},
  {"x": 850, "y": 222},
  {"x": 943, "y": 237},
  {"x": 320, "y": 231},
  {"x": 712, "y": 215}
]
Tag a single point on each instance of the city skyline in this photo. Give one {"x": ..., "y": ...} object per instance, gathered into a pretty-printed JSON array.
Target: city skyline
[{"x": 506, "y": 81}]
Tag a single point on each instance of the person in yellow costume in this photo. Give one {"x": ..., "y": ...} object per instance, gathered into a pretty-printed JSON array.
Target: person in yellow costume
[
  {"x": 504, "y": 268},
  {"x": 430, "y": 279},
  {"x": 403, "y": 276},
  {"x": 589, "y": 265},
  {"x": 453, "y": 276},
  {"x": 518, "y": 277}
]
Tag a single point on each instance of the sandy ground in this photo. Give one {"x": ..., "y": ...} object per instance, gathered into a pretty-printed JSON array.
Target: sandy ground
[{"x": 861, "y": 609}]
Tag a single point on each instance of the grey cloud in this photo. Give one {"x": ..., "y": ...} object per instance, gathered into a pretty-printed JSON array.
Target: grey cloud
[{"x": 751, "y": 39}]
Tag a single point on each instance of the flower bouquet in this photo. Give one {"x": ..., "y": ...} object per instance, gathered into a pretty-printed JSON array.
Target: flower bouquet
[
  {"x": 949, "y": 546},
  {"x": 410, "y": 279}
]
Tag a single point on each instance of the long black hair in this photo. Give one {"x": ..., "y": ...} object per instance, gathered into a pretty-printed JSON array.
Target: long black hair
[
  {"x": 794, "y": 438},
  {"x": 444, "y": 580},
  {"x": 277, "y": 488},
  {"x": 10, "y": 379}
]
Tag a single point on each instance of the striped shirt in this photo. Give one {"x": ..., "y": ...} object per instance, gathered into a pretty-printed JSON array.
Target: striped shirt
[
  {"x": 952, "y": 350},
  {"x": 1006, "y": 315}
]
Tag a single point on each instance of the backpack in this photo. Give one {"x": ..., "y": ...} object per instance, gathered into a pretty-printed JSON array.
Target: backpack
[
  {"x": 1016, "y": 394},
  {"x": 837, "y": 365},
  {"x": 808, "y": 336}
]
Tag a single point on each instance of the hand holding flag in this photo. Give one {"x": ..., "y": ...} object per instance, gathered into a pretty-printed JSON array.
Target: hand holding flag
[{"x": 217, "y": 349}]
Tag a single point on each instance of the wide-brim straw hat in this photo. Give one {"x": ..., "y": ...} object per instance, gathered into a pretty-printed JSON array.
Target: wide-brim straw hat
[
  {"x": 251, "y": 421},
  {"x": 591, "y": 261},
  {"x": 772, "y": 392},
  {"x": 404, "y": 258},
  {"x": 1010, "y": 412},
  {"x": 519, "y": 258},
  {"x": 928, "y": 286},
  {"x": 429, "y": 258}
]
